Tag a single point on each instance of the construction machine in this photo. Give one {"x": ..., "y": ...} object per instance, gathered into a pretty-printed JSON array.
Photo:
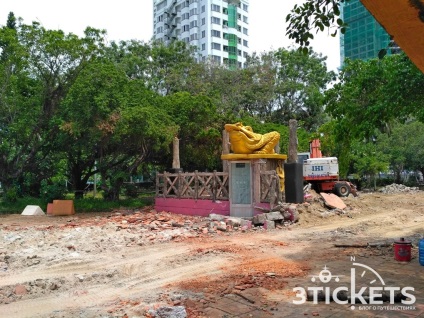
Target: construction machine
[{"x": 323, "y": 172}]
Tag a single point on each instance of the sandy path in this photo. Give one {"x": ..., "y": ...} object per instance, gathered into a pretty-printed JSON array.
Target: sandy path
[{"x": 94, "y": 279}]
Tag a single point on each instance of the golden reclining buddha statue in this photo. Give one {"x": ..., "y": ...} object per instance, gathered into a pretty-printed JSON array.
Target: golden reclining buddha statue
[
  {"x": 244, "y": 141},
  {"x": 246, "y": 145}
]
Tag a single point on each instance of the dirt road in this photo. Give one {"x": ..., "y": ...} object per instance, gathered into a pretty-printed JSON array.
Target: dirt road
[{"x": 130, "y": 263}]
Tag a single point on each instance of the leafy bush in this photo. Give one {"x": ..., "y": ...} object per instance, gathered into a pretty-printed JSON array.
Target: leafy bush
[
  {"x": 101, "y": 205},
  {"x": 81, "y": 206},
  {"x": 7, "y": 207},
  {"x": 52, "y": 191},
  {"x": 130, "y": 190},
  {"x": 11, "y": 194}
]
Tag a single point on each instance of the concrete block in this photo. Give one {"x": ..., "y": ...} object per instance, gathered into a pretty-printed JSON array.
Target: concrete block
[
  {"x": 63, "y": 207},
  {"x": 171, "y": 312},
  {"x": 33, "y": 210},
  {"x": 216, "y": 217},
  {"x": 246, "y": 223},
  {"x": 234, "y": 221},
  {"x": 287, "y": 215},
  {"x": 269, "y": 225},
  {"x": 259, "y": 219},
  {"x": 291, "y": 213},
  {"x": 333, "y": 201},
  {"x": 274, "y": 216},
  {"x": 49, "y": 208}
]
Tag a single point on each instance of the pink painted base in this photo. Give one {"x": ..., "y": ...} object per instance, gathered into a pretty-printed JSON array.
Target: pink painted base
[
  {"x": 199, "y": 207},
  {"x": 261, "y": 205},
  {"x": 192, "y": 207}
]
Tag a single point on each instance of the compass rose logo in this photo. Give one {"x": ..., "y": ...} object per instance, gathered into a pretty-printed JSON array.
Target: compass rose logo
[
  {"x": 375, "y": 291},
  {"x": 325, "y": 276}
]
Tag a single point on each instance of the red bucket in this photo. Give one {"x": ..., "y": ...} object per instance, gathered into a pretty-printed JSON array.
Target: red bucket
[{"x": 402, "y": 250}]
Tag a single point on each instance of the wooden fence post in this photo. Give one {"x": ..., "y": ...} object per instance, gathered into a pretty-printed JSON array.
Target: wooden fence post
[
  {"x": 272, "y": 192},
  {"x": 157, "y": 184},
  {"x": 196, "y": 185},
  {"x": 165, "y": 184},
  {"x": 179, "y": 183},
  {"x": 214, "y": 183}
]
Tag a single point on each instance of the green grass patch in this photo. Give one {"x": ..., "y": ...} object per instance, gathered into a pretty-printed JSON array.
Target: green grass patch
[
  {"x": 100, "y": 205},
  {"x": 19, "y": 205},
  {"x": 81, "y": 205}
]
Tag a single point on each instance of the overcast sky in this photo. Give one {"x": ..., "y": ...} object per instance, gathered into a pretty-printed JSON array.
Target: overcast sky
[{"x": 133, "y": 19}]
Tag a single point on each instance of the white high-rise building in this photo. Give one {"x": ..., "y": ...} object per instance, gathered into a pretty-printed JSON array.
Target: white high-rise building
[{"x": 218, "y": 28}]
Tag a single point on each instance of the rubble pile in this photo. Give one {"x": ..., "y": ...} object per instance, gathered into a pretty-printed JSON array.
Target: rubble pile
[
  {"x": 58, "y": 242},
  {"x": 281, "y": 215},
  {"x": 398, "y": 188},
  {"x": 78, "y": 236}
]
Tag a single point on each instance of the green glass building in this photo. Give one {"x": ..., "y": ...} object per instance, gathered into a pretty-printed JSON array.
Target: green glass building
[{"x": 364, "y": 36}]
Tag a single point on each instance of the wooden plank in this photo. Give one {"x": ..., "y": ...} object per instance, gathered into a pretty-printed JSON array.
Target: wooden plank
[
  {"x": 222, "y": 191},
  {"x": 196, "y": 186},
  {"x": 265, "y": 186},
  {"x": 186, "y": 190},
  {"x": 214, "y": 186},
  {"x": 172, "y": 186}
]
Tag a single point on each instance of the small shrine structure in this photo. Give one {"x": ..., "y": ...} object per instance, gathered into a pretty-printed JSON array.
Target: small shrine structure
[{"x": 252, "y": 180}]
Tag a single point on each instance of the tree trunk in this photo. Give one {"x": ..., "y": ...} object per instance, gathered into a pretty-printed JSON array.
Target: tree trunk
[
  {"x": 76, "y": 182},
  {"x": 398, "y": 178}
]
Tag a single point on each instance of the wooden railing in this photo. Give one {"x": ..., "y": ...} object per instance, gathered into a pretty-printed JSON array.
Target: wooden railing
[
  {"x": 211, "y": 186},
  {"x": 193, "y": 185},
  {"x": 270, "y": 187}
]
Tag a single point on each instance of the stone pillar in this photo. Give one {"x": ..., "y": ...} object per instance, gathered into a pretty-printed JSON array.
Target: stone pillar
[
  {"x": 176, "y": 153},
  {"x": 293, "y": 171}
]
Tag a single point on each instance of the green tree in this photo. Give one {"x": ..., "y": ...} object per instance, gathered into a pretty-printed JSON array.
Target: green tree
[
  {"x": 300, "y": 84},
  {"x": 19, "y": 110},
  {"x": 273, "y": 87},
  {"x": 38, "y": 67},
  {"x": 415, "y": 147},
  {"x": 404, "y": 146},
  {"x": 56, "y": 58},
  {"x": 86, "y": 119},
  {"x": 369, "y": 160},
  {"x": 163, "y": 68},
  {"x": 369, "y": 96},
  {"x": 259, "y": 96},
  {"x": 314, "y": 15},
  {"x": 394, "y": 146},
  {"x": 110, "y": 125},
  {"x": 11, "y": 21},
  {"x": 199, "y": 131}
]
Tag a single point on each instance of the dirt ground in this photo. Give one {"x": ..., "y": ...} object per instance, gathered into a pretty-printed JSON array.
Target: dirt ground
[{"x": 135, "y": 263}]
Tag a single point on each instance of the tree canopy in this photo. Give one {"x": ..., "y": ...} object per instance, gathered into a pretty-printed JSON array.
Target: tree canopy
[
  {"x": 314, "y": 15},
  {"x": 72, "y": 107}
]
